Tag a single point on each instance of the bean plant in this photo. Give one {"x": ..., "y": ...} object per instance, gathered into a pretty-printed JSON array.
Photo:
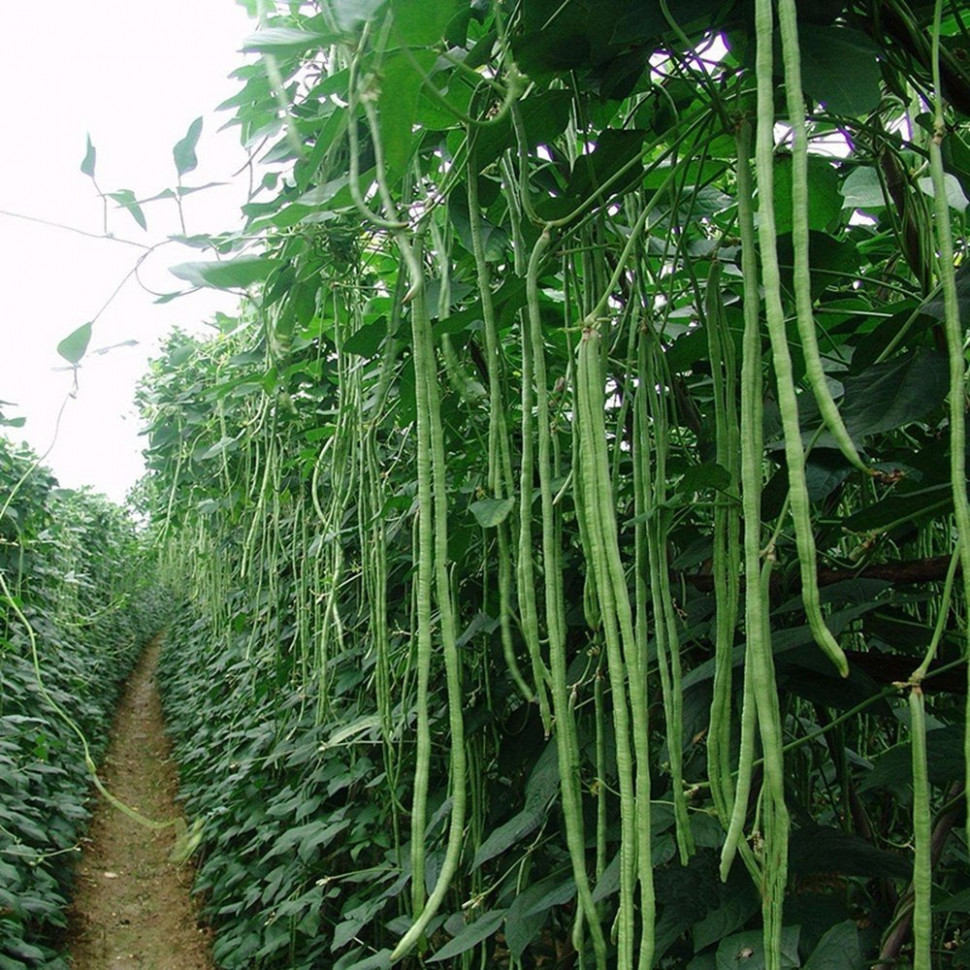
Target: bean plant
[
  {"x": 76, "y": 606},
  {"x": 571, "y": 525}
]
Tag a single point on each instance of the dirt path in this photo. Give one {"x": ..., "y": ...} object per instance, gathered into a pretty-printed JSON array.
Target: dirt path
[{"x": 132, "y": 907}]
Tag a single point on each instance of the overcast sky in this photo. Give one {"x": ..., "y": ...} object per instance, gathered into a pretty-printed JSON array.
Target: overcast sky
[{"x": 133, "y": 76}]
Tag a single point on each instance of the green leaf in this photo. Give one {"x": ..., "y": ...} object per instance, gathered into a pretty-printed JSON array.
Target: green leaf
[
  {"x": 350, "y": 14},
  {"x": 73, "y": 347},
  {"x": 957, "y": 903},
  {"x": 235, "y": 273},
  {"x": 284, "y": 41},
  {"x": 745, "y": 951},
  {"x": 818, "y": 849},
  {"x": 377, "y": 961},
  {"x": 893, "y": 770},
  {"x": 544, "y": 117},
  {"x": 421, "y": 23},
  {"x": 697, "y": 478},
  {"x": 400, "y": 92},
  {"x": 126, "y": 199},
  {"x": 495, "y": 239},
  {"x": 738, "y": 907},
  {"x": 954, "y": 191},
  {"x": 862, "y": 189},
  {"x": 616, "y": 149},
  {"x": 900, "y": 507},
  {"x": 366, "y": 340},
  {"x": 838, "y": 949},
  {"x": 540, "y": 788},
  {"x": 470, "y": 936},
  {"x": 90, "y": 157},
  {"x": 933, "y": 306},
  {"x": 530, "y": 909},
  {"x": 184, "y": 150},
  {"x": 824, "y": 201},
  {"x": 892, "y": 394},
  {"x": 839, "y": 68},
  {"x": 490, "y": 512},
  {"x": 223, "y": 444}
]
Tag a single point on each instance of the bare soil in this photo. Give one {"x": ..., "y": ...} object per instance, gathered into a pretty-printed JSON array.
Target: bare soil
[{"x": 132, "y": 906}]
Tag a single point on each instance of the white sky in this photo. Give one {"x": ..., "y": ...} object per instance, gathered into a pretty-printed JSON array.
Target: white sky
[{"x": 133, "y": 74}]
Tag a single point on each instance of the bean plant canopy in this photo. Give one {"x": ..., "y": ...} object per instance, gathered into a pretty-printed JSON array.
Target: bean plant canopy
[{"x": 570, "y": 529}]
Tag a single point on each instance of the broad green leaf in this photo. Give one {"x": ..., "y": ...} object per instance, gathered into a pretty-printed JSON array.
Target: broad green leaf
[
  {"x": 616, "y": 149},
  {"x": 697, "y": 478},
  {"x": 184, "y": 150},
  {"x": 739, "y": 905},
  {"x": 530, "y": 910},
  {"x": 954, "y": 191},
  {"x": 73, "y": 347},
  {"x": 495, "y": 239},
  {"x": 421, "y": 23},
  {"x": 893, "y": 770},
  {"x": 126, "y": 199},
  {"x": 839, "y": 68},
  {"x": 901, "y": 507},
  {"x": 933, "y": 307},
  {"x": 366, "y": 340},
  {"x": 817, "y": 849},
  {"x": 376, "y": 961},
  {"x": 470, "y": 936},
  {"x": 235, "y": 273},
  {"x": 401, "y": 85},
  {"x": 862, "y": 189},
  {"x": 284, "y": 41},
  {"x": 90, "y": 158},
  {"x": 745, "y": 951},
  {"x": 824, "y": 201},
  {"x": 838, "y": 949},
  {"x": 490, "y": 512},
  {"x": 544, "y": 117},
  {"x": 957, "y": 903},
  {"x": 829, "y": 256},
  {"x": 223, "y": 444},
  {"x": 350, "y": 14},
  {"x": 894, "y": 393},
  {"x": 542, "y": 785}
]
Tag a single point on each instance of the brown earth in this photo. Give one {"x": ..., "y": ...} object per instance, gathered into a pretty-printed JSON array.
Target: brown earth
[{"x": 132, "y": 906}]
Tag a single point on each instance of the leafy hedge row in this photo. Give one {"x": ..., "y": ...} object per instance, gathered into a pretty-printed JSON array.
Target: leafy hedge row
[
  {"x": 70, "y": 566},
  {"x": 297, "y": 856}
]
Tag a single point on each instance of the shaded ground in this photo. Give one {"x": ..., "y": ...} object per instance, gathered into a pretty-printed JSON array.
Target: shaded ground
[{"x": 132, "y": 907}]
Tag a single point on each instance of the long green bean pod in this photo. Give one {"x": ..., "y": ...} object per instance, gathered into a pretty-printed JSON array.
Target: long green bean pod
[
  {"x": 664, "y": 615},
  {"x": 567, "y": 745},
  {"x": 955, "y": 344},
  {"x": 500, "y": 478},
  {"x": 781, "y": 358},
  {"x": 922, "y": 835},
  {"x": 727, "y": 544},
  {"x": 752, "y": 444},
  {"x": 435, "y": 501},
  {"x": 622, "y": 650},
  {"x": 802, "y": 282}
]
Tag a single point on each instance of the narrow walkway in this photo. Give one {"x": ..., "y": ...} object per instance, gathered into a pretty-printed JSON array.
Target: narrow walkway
[{"x": 132, "y": 907}]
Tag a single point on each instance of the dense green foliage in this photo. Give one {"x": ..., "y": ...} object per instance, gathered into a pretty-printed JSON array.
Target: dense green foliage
[
  {"x": 579, "y": 430},
  {"x": 75, "y": 610}
]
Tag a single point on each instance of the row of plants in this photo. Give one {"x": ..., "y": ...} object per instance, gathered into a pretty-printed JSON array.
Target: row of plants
[
  {"x": 76, "y": 607},
  {"x": 572, "y": 523}
]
